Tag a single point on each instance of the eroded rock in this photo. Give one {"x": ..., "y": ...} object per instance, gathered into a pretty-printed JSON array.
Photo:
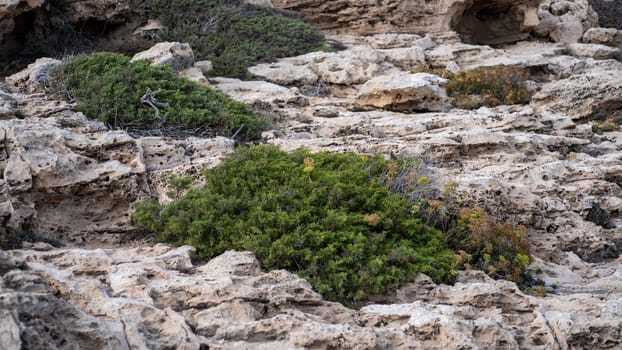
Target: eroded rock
[
  {"x": 177, "y": 55},
  {"x": 155, "y": 298},
  {"x": 475, "y": 20},
  {"x": 404, "y": 93}
]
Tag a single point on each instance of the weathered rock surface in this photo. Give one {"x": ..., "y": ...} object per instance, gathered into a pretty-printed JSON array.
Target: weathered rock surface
[
  {"x": 354, "y": 66},
  {"x": 404, "y": 93},
  {"x": 68, "y": 179},
  {"x": 565, "y": 21},
  {"x": 31, "y": 28},
  {"x": 156, "y": 298},
  {"x": 545, "y": 165},
  {"x": 475, "y": 20},
  {"x": 9, "y": 9},
  {"x": 177, "y": 55}
]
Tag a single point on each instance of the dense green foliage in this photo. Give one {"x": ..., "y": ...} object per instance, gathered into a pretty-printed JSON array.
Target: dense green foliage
[
  {"x": 328, "y": 217},
  {"x": 108, "y": 87},
  {"x": 489, "y": 86},
  {"x": 232, "y": 35}
]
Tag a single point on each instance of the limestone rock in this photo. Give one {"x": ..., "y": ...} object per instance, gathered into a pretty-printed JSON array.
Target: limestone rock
[
  {"x": 595, "y": 51},
  {"x": 405, "y": 57},
  {"x": 568, "y": 31},
  {"x": 604, "y": 36},
  {"x": 58, "y": 164},
  {"x": 470, "y": 18},
  {"x": 354, "y": 66},
  {"x": 596, "y": 92},
  {"x": 9, "y": 9},
  {"x": 194, "y": 74},
  {"x": 404, "y": 93},
  {"x": 155, "y": 298},
  {"x": 177, "y": 55},
  {"x": 33, "y": 77},
  {"x": 251, "y": 92},
  {"x": 205, "y": 66},
  {"x": 566, "y": 20}
]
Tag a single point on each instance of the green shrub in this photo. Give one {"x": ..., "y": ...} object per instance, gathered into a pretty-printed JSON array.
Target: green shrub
[
  {"x": 607, "y": 125},
  {"x": 232, "y": 35},
  {"x": 327, "y": 217},
  {"x": 108, "y": 87},
  {"x": 479, "y": 241},
  {"x": 500, "y": 250},
  {"x": 489, "y": 86}
]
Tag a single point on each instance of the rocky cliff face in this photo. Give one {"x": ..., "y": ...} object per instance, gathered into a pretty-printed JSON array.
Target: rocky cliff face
[
  {"x": 70, "y": 181},
  {"x": 156, "y": 298},
  {"x": 477, "y": 21}
]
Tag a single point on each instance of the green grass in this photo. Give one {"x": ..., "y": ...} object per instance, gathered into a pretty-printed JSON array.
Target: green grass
[{"x": 108, "y": 87}]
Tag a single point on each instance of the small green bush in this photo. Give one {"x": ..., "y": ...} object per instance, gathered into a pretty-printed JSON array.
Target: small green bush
[
  {"x": 231, "y": 34},
  {"x": 481, "y": 243},
  {"x": 489, "y": 86},
  {"x": 607, "y": 125},
  {"x": 108, "y": 87},
  {"x": 328, "y": 217}
]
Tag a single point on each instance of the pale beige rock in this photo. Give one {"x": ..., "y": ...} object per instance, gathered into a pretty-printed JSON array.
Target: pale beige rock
[
  {"x": 354, "y": 66},
  {"x": 404, "y": 93},
  {"x": 194, "y": 74},
  {"x": 392, "y": 40},
  {"x": 32, "y": 79},
  {"x": 151, "y": 26},
  {"x": 405, "y": 57},
  {"x": 604, "y": 36},
  {"x": 155, "y": 298},
  {"x": 177, "y": 55},
  {"x": 205, "y": 65},
  {"x": 595, "y": 51},
  {"x": 9, "y": 332},
  {"x": 566, "y": 20},
  {"x": 255, "y": 92},
  {"x": 570, "y": 30},
  {"x": 69, "y": 178},
  {"x": 405, "y": 16},
  {"x": 594, "y": 90}
]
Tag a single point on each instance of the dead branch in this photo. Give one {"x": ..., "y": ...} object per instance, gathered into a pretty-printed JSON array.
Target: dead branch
[{"x": 150, "y": 100}]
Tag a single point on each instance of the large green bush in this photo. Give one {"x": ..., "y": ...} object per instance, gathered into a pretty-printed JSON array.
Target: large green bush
[
  {"x": 108, "y": 87},
  {"x": 328, "y": 217},
  {"x": 231, "y": 34}
]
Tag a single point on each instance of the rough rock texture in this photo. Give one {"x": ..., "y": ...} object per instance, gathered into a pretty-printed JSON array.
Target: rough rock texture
[
  {"x": 565, "y": 21},
  {"x": 156, "y": 298},
  {"x": 546, "y": 165},
  {"x": 353, "y": 66},
  {"x": 37, "y": 28},
  {"x": 9, "y": 9},
  {"x": 605, "y": 36},
  {"x": 68, "y": 179},
  {"x": 477, "y": 21},
  {"x": 404, "y": 93},
  {"x": 177, "y": 55}
]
